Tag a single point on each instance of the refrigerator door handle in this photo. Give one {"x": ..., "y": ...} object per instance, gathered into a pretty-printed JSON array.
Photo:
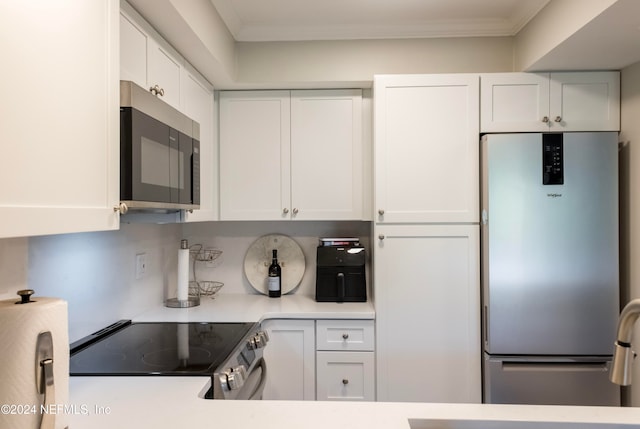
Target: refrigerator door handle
[
  {"x": 556, "y": 366},
  {"x": 486, "y": 326}
]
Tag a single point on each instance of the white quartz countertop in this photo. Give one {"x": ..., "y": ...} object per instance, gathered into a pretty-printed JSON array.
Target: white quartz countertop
[
  {"x": 177, "y": 402},
  {"x": 173, "y": 402},
  {"x": 255, "y": 308}
]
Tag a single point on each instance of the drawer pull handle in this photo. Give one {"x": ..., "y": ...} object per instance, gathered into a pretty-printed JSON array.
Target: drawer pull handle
[
  {"x": 345, "y": 336},
  {"x": 345, "y": 381}
]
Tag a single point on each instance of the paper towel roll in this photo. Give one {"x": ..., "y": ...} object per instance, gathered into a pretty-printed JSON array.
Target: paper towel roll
[
  {"x": 183, "y": 272},
  {"x": 20, "y": 325}
]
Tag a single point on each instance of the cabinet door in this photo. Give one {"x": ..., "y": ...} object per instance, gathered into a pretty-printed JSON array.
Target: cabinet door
[
  {"x": 345, "y": 376},
  {"x": 255, "y": 155},
  {"x": 326, "y": 154},
  {"x": 59, "y": 167},
  {"x": 164, "y": 71},
  {"x": 290, "y": 358},
  {"x": 197, "y": 103},
  {"x": 514, "y": 102},
  {"x": 428, "y": 313},
  {"x": 426, "y": 148},
  {"x": 585, "y": 101},
  {"x": 133, "y": 51}
]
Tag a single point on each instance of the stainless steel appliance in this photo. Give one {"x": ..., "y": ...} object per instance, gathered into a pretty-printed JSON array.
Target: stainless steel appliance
[
  {"x": 159, "y": 153},
  {"x": 549, "y": 267},
  {"x": 230, "y": 353}
]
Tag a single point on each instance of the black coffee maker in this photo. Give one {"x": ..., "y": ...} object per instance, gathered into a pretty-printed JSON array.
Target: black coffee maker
[{"x": 340, "y": 274}]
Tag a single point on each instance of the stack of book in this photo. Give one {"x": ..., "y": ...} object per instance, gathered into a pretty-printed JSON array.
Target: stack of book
[{"x": 340, "y": 241}]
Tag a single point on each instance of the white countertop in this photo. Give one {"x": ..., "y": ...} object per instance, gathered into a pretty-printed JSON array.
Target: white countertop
[
  {"x": 172, "y": 402},
  {"x": 176, "y": 402},
  {"x": 255, "y": 308}
]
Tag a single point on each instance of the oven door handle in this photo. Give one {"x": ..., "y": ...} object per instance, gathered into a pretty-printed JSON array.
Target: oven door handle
[{"x": 257, "y": 394}]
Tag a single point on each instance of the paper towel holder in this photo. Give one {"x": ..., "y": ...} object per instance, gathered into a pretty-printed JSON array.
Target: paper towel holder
[
  {"x": 44, "y": 376},
  {"x": 25, "y": 296}
]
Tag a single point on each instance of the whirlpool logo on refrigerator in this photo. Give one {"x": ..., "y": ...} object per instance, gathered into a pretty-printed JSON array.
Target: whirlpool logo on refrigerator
[{"x": 553, "y": 195}]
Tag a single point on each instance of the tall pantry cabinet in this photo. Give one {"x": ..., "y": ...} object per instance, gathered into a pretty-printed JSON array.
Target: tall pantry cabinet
[{"x": 426, "y": 238}]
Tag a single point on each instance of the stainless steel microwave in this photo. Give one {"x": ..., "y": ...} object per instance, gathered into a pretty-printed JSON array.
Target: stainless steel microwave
[{"x": 159, "y": 153}]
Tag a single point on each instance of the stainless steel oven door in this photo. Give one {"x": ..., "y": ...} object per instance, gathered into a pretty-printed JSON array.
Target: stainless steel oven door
[
  {"x": 239, "y": 385},
  {"x": 254, "y": 383}
]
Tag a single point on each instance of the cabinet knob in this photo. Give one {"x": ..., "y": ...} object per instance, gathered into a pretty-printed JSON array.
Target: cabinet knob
[
  {"x": 295, "y": 211},
  {"x": 380, "y": 212},
  {"x": 545, "y": 119},
  {"x": 345, "y": 336},
  {"x": 156, "y": 90},
  {"x": 285, "y": 210},
  {"x": 345, "y": 381},
  {"x": 122, "y": 208},
  {"x": 381, "y": 236},
  {"x": 558, "y": 119}
]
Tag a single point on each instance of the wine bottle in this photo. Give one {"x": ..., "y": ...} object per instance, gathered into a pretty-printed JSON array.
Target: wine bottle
[{"x": 275, "y": 277}]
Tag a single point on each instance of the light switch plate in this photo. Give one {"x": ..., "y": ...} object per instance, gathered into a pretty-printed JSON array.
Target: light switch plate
[{"x": 141, "y": 265}]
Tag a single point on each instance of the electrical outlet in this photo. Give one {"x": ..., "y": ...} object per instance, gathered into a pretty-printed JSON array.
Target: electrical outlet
[{"x": 141, "y": 265}]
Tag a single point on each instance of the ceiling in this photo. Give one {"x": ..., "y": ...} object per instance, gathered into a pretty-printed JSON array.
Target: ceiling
[{"x": 289, "y": 20}]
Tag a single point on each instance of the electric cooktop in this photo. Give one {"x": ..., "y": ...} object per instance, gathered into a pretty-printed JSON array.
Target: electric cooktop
[{"x": 157, "y": 348}]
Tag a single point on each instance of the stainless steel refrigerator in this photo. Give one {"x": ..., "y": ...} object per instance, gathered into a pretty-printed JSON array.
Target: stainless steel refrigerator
[{"x": 549, "y": 267}]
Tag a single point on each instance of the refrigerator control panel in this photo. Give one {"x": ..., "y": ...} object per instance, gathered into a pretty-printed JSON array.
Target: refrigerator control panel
[{"x": 552, "y": 160}]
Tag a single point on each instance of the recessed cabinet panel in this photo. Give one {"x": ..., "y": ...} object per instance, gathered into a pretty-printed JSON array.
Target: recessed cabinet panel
[
  {"x": 551, "y": 102},
  {"x": 326, "y": 154},
  {"x": 164, "y": 71},
  {"x": 426, "y": 148},
  {"x": 59, "y": 166},
  {"x": 291, "y": 155},
  {"x": 345, "y": 376},
  {"x": 254, "y": 155},
  {"x": 585, "y": 101},
  {"x": 346, "y": 335},
  {"x": 133, "y": 52},
  {"x": 514, "y": 102},
  {"x": 290, "y": 356},
  {"x": 428, "y": 313}
]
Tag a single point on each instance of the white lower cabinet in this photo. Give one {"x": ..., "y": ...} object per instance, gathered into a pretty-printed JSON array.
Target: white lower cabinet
[
  {"x": 345, "y": 369},
  {"x": 320, "y": 359},
  {"x": 427, "y": 313},
  {"x": 290, "y": 356},
  {"x": 345, "y": 376}
]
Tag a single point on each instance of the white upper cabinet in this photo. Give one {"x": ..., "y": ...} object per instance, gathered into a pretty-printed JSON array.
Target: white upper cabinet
[
  {"x": 59, "y": 167},
  {"x": 197, "y": 103},
  {"x": 426, "y": 148},
  {"x": 326, "y": 154},
  {"x": 291, "y": 155},
  {"x": 254, "y": 155},
  {"x": 539, "y": 102},
  {"x": 147, "y": 59}
]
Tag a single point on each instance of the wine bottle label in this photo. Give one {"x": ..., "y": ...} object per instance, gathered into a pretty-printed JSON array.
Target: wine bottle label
[{"x": 273, "y": 283}]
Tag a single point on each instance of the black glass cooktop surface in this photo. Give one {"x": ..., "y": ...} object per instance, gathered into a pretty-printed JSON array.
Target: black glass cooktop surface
[{"x": 158, "y": 349}]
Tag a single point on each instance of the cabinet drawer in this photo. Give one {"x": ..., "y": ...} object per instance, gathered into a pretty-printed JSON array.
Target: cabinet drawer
[
  {"x": 345, "y": 376},
  {"x": 345, "y": 335}
]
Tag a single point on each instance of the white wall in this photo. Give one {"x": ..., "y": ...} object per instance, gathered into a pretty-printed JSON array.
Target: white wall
[
  {"x": 353, "y": 63},
  {"x": 630, "y": 200},
  {"x": 95, "y": 272},
  {"x": 551, "y": 27},
  {"x": 13, "y": 266},
  {"x": 234, "y": 238}
]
